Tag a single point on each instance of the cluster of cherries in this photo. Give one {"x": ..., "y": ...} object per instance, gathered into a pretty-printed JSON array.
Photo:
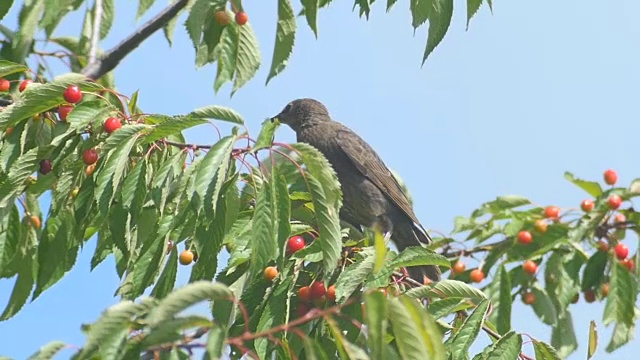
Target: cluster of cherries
[{"x": 222, "y": 17}]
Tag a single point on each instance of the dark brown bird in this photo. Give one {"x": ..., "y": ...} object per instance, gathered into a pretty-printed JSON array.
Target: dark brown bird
[{"x": 372, "y": 196}]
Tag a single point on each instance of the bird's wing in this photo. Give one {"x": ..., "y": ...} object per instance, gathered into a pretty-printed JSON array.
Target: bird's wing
[{"x": 374, "y": 169}]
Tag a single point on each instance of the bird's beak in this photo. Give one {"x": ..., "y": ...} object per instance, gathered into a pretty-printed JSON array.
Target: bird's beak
[{"x": 275, "y": 118}]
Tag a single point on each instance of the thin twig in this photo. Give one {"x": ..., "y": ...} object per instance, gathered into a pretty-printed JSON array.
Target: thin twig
[{"x": 95, "y": 36}]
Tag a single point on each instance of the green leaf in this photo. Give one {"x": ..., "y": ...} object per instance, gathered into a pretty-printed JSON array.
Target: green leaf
[
  {"x": 4, "y": 9},
  {"x": 420, "y": 10},
  {"x": 30, "y": 15},
  {"x": 376, "y": 321},
  {"x": 20, "y": 170},
  {"x": 353, "y": 276},
  {"x": 218, "y": 113},
  {"x": 508, "y": 347},
  {"x": 108, "y": 14},
  {"x": 185, "y": 297},
  {"x": 416, "y": 333},
  {"x": 196, "y": 19},
  {"x": 622, "y": 334},
  {"x": 167, "y": 279},
  {"x": 543, "y": 306},
  {"x": 461, "y": 342},
  {"x": 544, "y": 351},
  {"x": 265, "y": 138},
  {"x": 172, "y": 126},
  {"x": 88, "y": 112},
  {"x": 327, "y": 200},
  {"x": 247, "y": 56},
  {"x": 591, "y": 187},
  {"x": 285, "y": 37},
  {"x": 122, "y": 135},
  {"x": 622, "y": 296},
  {"x": 143, "y": 6},
  {"x": 282, "y": 206},
  {"x": 381, "y": 251},
  {"x": 472, "y": 9},
  {"x": 563, "y": 336},
  {"x": 500, "y": 293},
  {"x": 21, "y": 289},
  {"x": 416, "y": 256},
  {"x": 439, "y": 21},
  {"x": 48, "y": 351},
  {"x": 8, "y": 67},
  {"x": 311, "y": 14},
  {"x": 111, "y": 173},
  {"x": 448, "y": 288},
  {"x": 264, "y": 247},
  {"x": 592, "y": 345},
  {"x": 593, "y": 272}
]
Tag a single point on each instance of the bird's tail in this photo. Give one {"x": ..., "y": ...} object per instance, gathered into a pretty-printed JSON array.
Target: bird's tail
[{"x": 410, "y": 234}]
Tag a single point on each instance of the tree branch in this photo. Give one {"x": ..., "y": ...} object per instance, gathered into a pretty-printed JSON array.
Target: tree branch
[
  {"x": 95, "y": 37},
  {"x": 96, "y": 69}
]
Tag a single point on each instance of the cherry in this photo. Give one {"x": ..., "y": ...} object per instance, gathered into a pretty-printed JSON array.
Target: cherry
[
  {"x": 590, "y": 295},
  {"x": 35, "y": 221},
  {"x": 90, "y": 156},
  {"x": 170, "y": 245},
  {"x": 575, "y": 299},
  {"x": 302, "y": 309},
  {"x": 112, "y": 124},
  {"x": 528, "y": 297},
  {"x": 8, "y": 132},
  {"x": 72, "y": 94},
  {"x": 304, "y": 293},
  {"x": 90, "y": 169},
  {"x": 610, "y": 177},
  {"x": 603, "y": 246},
  {"x": 622, "y": 251},
  {"x": 186, "y": 257},
  {"x": 552, "y": 212},
  {"x": 331, "y": 293},
  {"x": 604, "y": 289},
  {"x": 4, "y": 84},
  {"x": 541, "y": 226},
  {"x": 587, "y": 205},
  {"x": 620, "y": 218},
  {"x": 459, "y": 267},
  {"x": 45, "y": 166},
  {"x": 63, "y": 111},
  {"x": 75, "y": 192},
  {"x": 295, "y": 244},
  {"x": 317, "y": 290},
  {"x": 476, "y": 275},
  {"x": 530, "y": 267},
  {"x": 524, "y": 237},
  {"x": 242, "y": 18},
  {"x": 614, "y": 201},
  {"x": 628, "y": 263},
  {"x": 221, "y": 17},
  {"x": 270, "y": 273},
  {"x": 24, "y": 84}
]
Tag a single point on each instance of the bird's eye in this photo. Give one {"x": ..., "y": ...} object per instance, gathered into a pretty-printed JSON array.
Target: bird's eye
[{"x": 288, "y": 107}]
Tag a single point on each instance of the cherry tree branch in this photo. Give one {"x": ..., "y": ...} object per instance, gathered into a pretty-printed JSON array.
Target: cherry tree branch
[
  {"x": 107, "y": 62},
  {"x": 95, "y": 37}
]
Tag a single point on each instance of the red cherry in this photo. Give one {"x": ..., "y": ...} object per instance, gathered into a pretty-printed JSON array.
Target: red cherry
[
  {"x": 170, "y": 245},
  {"x": 459, "y": 267},
  {"x": 590, "y": 295},
  {"x": 604, "y": 289},
  {"x": 295, "y": 244},
  {"x": 302, "y": 309},
  {"x": 541, "y": 226},
  {"x": 331, "y": 293},
  {"x": 242, "y": 18},
  {"x": 614, "y": 201},
  {"x": 610, "y": 177},
  {"x": 628, "y": 263},
  {"x": 530, "y": 267},
  {"x": 622, "y": 251},
  {"x": 304, "y": 294},
  {"x": 112, "y": 124},
  {"x": 524, "y": 237},
  {"x": 72, "y": 94},
  {"x": 528, "y": 297},
  {"x": 587, "y": 205},
  {"x": 63, "y": 111},
  {"x": 552, "y": 212},
  {"x": 45, "y": 166},
  {"x": 221, "y": 17},
  {"x": 603, "y": 246},
  {"x": 620, "y": 218},
  {"x": 24, "y": 84},
  {"x": 318, "y": 290},
  {"x": 90, "y": 156},
  {"x": 4, "y": 84},
  {"x": 476, "y": 275}
]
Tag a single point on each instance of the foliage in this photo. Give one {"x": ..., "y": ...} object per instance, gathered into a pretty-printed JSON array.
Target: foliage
[{"x": 151, "y": 193}]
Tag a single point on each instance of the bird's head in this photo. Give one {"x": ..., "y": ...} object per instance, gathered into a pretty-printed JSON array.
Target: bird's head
[{"x": 301, "y": 113}]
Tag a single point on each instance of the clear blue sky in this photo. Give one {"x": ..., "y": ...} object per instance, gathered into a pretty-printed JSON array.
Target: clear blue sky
[{"x": 504, "y": 108}]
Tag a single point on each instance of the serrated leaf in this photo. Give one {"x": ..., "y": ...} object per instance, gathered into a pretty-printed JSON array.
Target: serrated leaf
[
  {"x": 264, "y": 247},
  {"x": 420, "y": 10},
  {"x": 461, "y": 342},
  {"x": 500, "y": 294},
  {"x": 416, "y": 333},
  {"x": 172, "y": 126},
  {"x": 472, "y": 9},
  {"x": 376, "y": 321},
  {"x": 439, "y": 21},
  {"x": 4, "y": 9},
  {"x": 622, "y": 334},
  {"x": 416, "y": 256},
  {"x": 218, "y": 113},
  {"x": 544, "y": 351},
  {"x": 310, "y": 8},
  {"x": 327, "y": 200},
  {"x": 247, "y": 57},
  {"x": 265, "y": 138},
  {"x": 8, "y": 67},
  {"x": 285, "y": 38},
  {"x": 21, "y": 289},
  {"x": 563, "y": 336},
  {"x": 167, "y": 278},
  {"x": 14, "y": 183},
  {"x": 508, "y": 347},
  {"x": 143, "y": 6},
  {"x": 594, "y": 270},
  {"x": 108, "y": 14},
  {"x": 591, "y": 187},
  {"x": 622, "y": 296},
  {"x": 48, "y": 351},
  {"x": 30, "y": 15},
  {"x": 196, "y": 19},
  {"x": 448, "y": 288},
  {"x": 354, "y": 275},
  {"x": 173, "y": 330},
  {"x": 592, "y": 345},
  {"x": 543, "y": 306},
  {"x": 122, "y": 135},
  {"x": 110, "y": 174}
]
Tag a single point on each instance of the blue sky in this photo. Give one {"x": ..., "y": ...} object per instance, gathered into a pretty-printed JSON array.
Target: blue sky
[{"x": 504, "y": 108}]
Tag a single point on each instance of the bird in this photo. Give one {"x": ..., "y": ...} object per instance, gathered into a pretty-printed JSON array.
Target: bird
[{"x": 372, "y": 196}]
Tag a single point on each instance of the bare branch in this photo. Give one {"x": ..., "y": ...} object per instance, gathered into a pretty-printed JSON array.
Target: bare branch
[
  {"x": 95, "y": 36},
  {"x": 96, "y": 69}
]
